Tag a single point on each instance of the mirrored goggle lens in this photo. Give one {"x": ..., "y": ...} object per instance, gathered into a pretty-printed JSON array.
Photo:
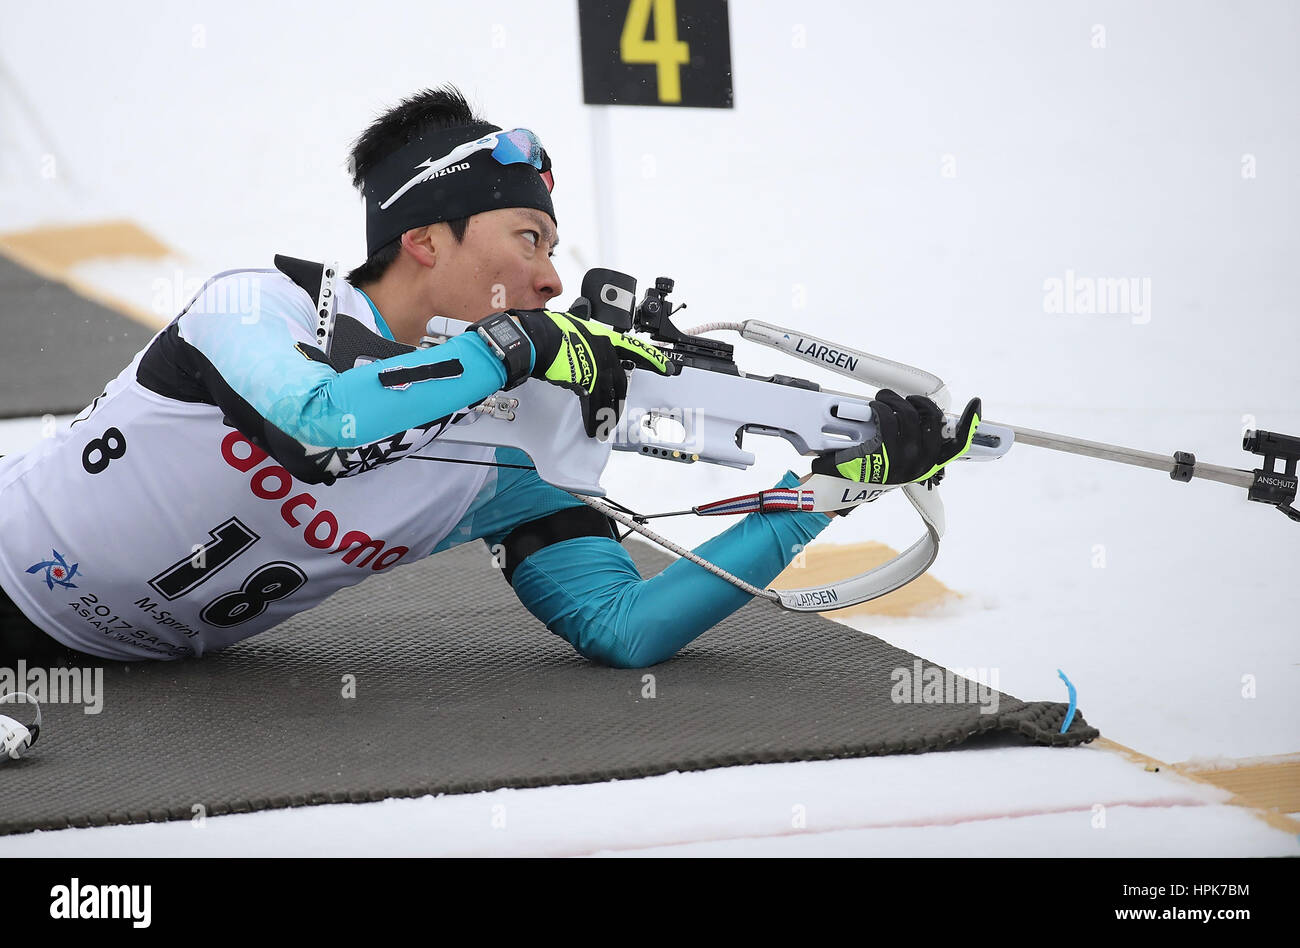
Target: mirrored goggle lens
[{"x": 520, "y": 146}]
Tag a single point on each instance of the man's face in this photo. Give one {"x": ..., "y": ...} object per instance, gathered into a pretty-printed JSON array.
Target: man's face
[{"x": 503, "y": 263}]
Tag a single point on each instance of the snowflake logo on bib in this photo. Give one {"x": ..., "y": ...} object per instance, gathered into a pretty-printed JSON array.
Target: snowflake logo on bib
[{"x": 57, "y": 571}]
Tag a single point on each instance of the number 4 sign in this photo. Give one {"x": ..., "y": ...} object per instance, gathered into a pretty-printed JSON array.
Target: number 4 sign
[{"x": 656, "y": 52}]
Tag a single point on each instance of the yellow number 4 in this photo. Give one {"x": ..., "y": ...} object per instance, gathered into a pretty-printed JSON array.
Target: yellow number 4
[{"x": 665, "y": 51}]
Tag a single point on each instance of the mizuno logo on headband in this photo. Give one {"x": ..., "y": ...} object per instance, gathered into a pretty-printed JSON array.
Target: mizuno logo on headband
[
  {"x": 431, "y": 171},
  {"x": 517, "y": 146},
  {"x": 469, "y": 185}
]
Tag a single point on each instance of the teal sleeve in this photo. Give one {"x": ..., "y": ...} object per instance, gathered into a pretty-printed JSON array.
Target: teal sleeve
[
  {"x": 589, "y": 592},
  {"x": 256, "y": 355}
]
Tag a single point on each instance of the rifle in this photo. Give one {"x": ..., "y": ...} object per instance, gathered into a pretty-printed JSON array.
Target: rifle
[{"x": 714, "y": 404}]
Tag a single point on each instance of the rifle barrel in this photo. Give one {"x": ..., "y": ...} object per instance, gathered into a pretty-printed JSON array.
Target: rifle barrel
[{"x": 1112, "y": 452}]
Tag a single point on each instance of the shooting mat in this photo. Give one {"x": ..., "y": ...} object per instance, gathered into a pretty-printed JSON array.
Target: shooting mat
[
  {"x": 58, "y": 348},
  {"x": 466, "y": 691}
]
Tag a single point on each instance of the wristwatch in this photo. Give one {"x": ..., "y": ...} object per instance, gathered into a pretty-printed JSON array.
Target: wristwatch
[{"x": 509, "y": 344}]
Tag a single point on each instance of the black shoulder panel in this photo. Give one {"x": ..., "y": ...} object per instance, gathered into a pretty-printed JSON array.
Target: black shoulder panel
[
  {"x": 175, "y": 369},
  {"x": 166, "y": 368},
  {"x": 353, "y": 343},
  {"x": 306, "y": 274}
]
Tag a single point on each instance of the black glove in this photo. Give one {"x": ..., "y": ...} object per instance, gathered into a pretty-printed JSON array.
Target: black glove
[
  {"x": 908, "y": 447},
  {"x": 584, "y": 356}
]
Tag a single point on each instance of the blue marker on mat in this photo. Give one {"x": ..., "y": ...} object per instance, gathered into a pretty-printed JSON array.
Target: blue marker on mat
[{"x": 1069, "y": 714}]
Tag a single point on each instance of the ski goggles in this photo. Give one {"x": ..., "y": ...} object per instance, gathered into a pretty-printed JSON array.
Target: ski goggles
[{"x": 518, "y": 146}]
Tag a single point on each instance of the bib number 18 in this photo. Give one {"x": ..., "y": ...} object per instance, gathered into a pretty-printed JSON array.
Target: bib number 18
[
  {"x": 268, "y": 583},
  {"x": 265, "y": 585}
]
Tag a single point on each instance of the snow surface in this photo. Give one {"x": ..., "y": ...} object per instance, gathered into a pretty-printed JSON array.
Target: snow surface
[{"x": 820, "y": 201}]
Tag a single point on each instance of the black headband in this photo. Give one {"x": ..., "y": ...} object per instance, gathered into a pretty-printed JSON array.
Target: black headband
[{"x": 476, "y": 184}]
